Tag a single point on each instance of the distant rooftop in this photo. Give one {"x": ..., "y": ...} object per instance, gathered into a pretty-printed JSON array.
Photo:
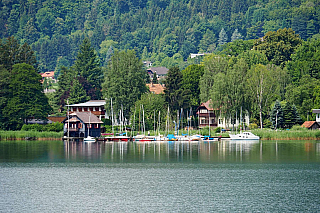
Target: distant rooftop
[
  {"x": 156, "y": 88},
  {"x": 48, "y": 74},
  {"x": 159, "y": 70}
]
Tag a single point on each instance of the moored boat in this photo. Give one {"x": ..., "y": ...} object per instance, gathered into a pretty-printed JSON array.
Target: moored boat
[
  {"x": 244, "y": 136},
  {"x": 89, "y": 139}
]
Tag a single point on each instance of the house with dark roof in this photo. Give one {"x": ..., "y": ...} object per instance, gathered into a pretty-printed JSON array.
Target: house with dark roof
[
  {"x": 161, "y": 72},
  {"x": 96, "y": 107},
  {"x": 78, "y": 124}
]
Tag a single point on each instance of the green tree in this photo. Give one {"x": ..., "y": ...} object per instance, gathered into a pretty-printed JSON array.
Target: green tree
[
  {"x": 223, "y": 37},
  {"x": 176, "y": 96},
  {"x": 277, "y": 116},
  {"x": 228, "y": 90},
  {"x": 77, "y": 93},
  {"x": 304, "y": 95},
  {"x": 288, "y": 115},
  {"x": 213, "y": 64},
  {"x": 190, "y": 81},
  {"x": 87, "y": 65},
  {"x": 236, "y": 35},
  {"x": 124, "y": 80},
  {"x": 11, "y": 52},
  {"x": 5, "y": 94},
  {"x": 278, "y": 46},
  {"x": 152, "y": 105},
  {"x": 27, "y": 102},
  {"x": 305, "y": 60},
  {"x": 263, "y": 87},
  {"x": 207, "y": 43},
  {"x": 155, "y": 78}
]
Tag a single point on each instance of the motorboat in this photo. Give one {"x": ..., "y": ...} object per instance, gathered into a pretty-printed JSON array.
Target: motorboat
[
  {"x": 244, "y": 136},
  {"x": 89, "y": 139}
]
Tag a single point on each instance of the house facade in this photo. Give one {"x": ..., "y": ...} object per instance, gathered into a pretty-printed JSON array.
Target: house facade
[
  {"x": 208, "y": 117},
  {"x": 96, "y": 107},
  {"x": 79, "y": 124}
]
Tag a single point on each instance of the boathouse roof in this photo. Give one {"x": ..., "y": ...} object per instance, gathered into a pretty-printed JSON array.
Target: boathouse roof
[
  {"x": 84, "y": 117},
  {"x": 91, "y": 103}
]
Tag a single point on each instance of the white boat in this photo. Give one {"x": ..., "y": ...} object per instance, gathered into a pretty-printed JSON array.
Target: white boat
[
  {"x": 195, "y": 138},
  {"x": 244, "y": 136},
  {"x": 89, "y": 139}
]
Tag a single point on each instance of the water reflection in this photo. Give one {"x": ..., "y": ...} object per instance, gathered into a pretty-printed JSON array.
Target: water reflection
[{"x": 207, "y": 152}]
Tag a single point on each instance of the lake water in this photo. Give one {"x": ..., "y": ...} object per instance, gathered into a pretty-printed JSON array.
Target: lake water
[{"x": 56, "y": 176}]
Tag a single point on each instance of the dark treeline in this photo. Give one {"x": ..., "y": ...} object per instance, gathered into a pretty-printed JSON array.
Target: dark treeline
[{"x": 156, "y": 29}]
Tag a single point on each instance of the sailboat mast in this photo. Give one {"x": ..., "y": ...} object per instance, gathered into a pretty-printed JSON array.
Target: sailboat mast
[
  {"x": 112, "y": 117},
  {"x": 89, "y": 125}
]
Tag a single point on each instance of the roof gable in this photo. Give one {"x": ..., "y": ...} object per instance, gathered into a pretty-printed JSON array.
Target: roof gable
[
  {"x": 309, "y": 124},
  {"x": 206, "y": 105},
  {"x": 84, "y": 118}
]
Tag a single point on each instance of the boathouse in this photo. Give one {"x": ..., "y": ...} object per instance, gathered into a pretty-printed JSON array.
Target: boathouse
[{"x": 78, "y": 124}]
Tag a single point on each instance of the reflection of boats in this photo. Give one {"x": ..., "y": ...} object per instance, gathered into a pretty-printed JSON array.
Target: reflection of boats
[
  {"x": 143, "y": 138},
  {"x": 244, "y": 136}
]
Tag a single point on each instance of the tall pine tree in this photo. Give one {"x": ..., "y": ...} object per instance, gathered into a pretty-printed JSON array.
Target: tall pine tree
[{"x": 87, "y": 65}]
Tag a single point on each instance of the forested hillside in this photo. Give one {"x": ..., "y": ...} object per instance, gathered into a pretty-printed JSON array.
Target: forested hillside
[{"x": 156, "y": 29}]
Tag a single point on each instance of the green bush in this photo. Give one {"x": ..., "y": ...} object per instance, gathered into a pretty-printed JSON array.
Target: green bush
[
  {"x": 53, "y": 127},
  {"x": 253, "y": 126},
  {"x": 32, "y": 127},
  {"x": 298, "y": 127},
  {"x": 217, "y": 130}
]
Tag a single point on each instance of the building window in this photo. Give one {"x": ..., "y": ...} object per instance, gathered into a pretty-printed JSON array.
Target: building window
[
  {"x": 203, "y": 111},
  {"x": 203, "y": 121},
  {"x": 219, "y": 121},
  {"x": 85, "y": 109}
]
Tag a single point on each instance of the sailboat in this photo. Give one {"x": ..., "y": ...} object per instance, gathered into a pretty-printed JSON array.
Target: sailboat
[{"x": 89, "y": 139}]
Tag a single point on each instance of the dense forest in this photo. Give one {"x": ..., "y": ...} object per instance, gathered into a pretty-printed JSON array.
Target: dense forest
[
  {"x": 261, "y": 57},
  {"x": 158, "y": 30}
]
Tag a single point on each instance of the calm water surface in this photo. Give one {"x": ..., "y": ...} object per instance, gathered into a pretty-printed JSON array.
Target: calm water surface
[{"x": 55, "y": 176}]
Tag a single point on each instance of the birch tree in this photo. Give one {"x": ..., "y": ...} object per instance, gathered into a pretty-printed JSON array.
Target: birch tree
[{"x": 263, "y": 86}]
